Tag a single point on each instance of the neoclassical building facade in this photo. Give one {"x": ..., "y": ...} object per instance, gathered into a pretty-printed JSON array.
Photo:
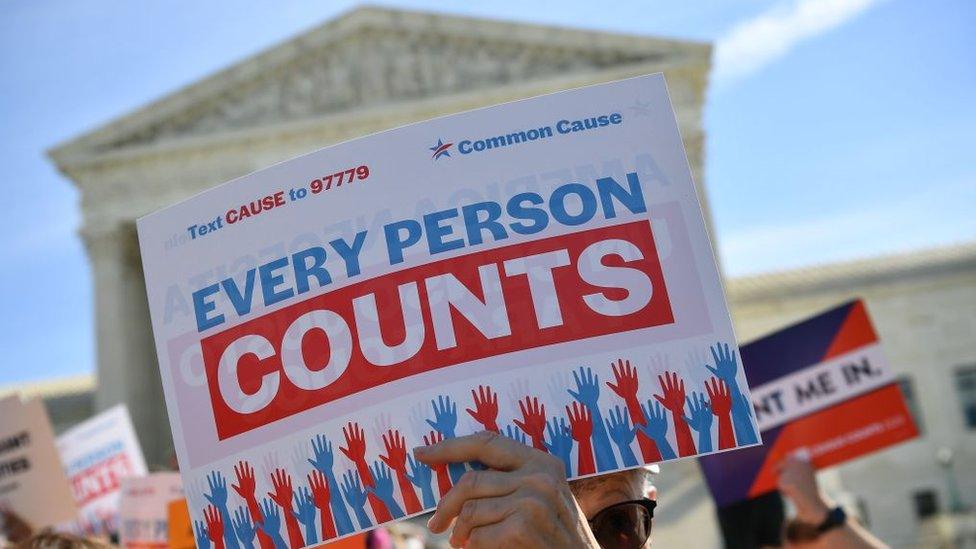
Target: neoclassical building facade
[{"x": 372, "y": 69}]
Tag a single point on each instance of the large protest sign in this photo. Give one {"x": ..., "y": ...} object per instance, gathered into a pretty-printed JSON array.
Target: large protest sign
[
  {"x": 32, "y": 482},
  {"x": 144, "y": 509},
  {"x": 821, "y": 387},
  {"x": 97, "y": 454},
  {"x": 539, "y": 268}
]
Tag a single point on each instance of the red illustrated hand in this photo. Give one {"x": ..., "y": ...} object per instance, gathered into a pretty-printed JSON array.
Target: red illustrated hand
[
  {"x": 719, "y": 394},
  {"x": 320, "y": 495},
  {"x": 626, "y": 377},
  {"x": 215, "y": 526},
  {"x": 673, "y": 389},
  {"x": 674, "y": 393},
  {"x": 581, "y": 427},
  {"x": 443, "y": 478},
  {"x": 486, "y": 408},
  {"x": 355, "y": 448},
  {"x": 245, "y": 487},
  {"x": 396, "y": 460},
  {"x": 245, "y": 480},
  {"x": 533, "y": 421},
  {"x": 396, "y": 451},
  {"x": 281, "y": 481}
]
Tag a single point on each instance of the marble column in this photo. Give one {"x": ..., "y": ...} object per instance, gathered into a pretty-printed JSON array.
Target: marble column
[{"x": 127, "y": 367}]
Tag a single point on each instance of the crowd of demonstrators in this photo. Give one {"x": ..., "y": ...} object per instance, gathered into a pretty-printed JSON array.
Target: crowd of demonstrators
[{"x": 523, "y": 499}]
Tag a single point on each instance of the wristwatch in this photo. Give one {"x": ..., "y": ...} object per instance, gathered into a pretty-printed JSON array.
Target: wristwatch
[{"x": 835, "y": 518}]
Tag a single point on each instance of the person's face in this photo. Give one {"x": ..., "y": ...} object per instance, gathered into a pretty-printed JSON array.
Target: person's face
[{"x": 595, "y": 495}]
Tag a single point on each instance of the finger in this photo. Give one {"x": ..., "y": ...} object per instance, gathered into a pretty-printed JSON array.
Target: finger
[
  {"x": 473, "y": 485},
  {"x": 478, "y": 513},
  {"x": 490, "y": 448},
  {"x": 661, "y": 400}
]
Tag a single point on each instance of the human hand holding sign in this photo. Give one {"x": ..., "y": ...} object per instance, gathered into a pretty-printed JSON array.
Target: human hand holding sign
[{"x": 523, "y": 500}]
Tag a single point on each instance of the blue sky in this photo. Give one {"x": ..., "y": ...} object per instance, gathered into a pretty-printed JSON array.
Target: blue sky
[{"x": 836, "y": 128}]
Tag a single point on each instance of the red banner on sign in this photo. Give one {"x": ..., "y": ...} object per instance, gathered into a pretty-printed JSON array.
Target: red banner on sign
[{"x": 484, "y": 304}]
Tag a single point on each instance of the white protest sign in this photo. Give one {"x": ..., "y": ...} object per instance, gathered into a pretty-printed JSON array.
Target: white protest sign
[
  {"x": 32, "y": 482},
  {"x": 534, "y": 268},
  {"x": 821, "y": 386},
  {"x": 97, "y": 454},
  {"x": 144, "y": 509}
]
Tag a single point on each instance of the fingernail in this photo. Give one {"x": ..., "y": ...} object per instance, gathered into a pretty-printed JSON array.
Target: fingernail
[{"x": 432, "y": 524}]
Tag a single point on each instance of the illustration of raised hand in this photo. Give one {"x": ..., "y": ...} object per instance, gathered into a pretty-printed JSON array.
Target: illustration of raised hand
[
  {"x": 673, "y": 398},
  {"x": 445, "y": 416},
  {"x": 443, "y": 478},
  {"x": 322, "y": 462},
  {"x": 533, "y": 421},
  {"x": 581, "y": 428},
  {"x": 656, "y": 427},
  {"x": 445, "y": 422},
  {"x": 384, "y": 488},
  {"x": 726, "y": 369},
  {"x": 700, "y": 419},
  {"x": 625, "y": 376},
  {"x": 245, "y": 488},
  {"x": 282, "y": 495},
  {"x": 202, "y": 534},
  {"x": 243, "y": 527},
  {"x": 618, "y": 425},
  {"x": 217, "y": 497},
  {"x": 355, "y": 448},
  {"x": 355, "y": 496},
  {"x": 485, "y": 408},
  {"x": 271, "y": 525},
  {"x": 322, "y": 497},
  {"x": 215, "y": 526},
  {"x": 721, "y": 401},
  {"x": 515, "y": 434},
  {"x": 587, "y": 393},
  {"x": 396, "y": 459},
  {"x": 560, "y": 442},
  {"x": 323, "y": 457},
  {"x": 421, "y": 475},
  {"x": 305, "y": 512}
]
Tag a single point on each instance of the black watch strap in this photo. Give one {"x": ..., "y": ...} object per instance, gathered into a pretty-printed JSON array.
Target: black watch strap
[{"x": 836, "y": 517}]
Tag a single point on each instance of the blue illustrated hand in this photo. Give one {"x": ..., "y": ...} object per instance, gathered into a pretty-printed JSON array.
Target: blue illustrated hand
[
  {"x": 445, "y": 416},
  {"x": 618, "y": 425},
  {"x": 656, "y": 427},
  {"x": 587, "y": 393},
  {"x": 202, "y": 535},
  {"x": 726, "y": 368},
  {"x": 243, "y": 528},
  {"x": 355, "y": 496},
  {"x": 384, "y": 488},
  {"x": 515, "y": 434},
  {"x": 560, "y": 442},
  {"x": 323, "y": 462},
  {"x": 218, "y": 489},
  {"x": 700, "y": 419},
  {"x": 322, "y": 450},
  {"x": 271, "y": 526},
  {"x": 305, "y": 512},
  {"x": 445, "y": 422},
  {"x": 421, "y": 475},
  {"x": 218, "y": 498}
]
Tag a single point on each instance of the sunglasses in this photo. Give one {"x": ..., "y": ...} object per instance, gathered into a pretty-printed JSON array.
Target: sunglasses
[{"x": 625, "y": 525}]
